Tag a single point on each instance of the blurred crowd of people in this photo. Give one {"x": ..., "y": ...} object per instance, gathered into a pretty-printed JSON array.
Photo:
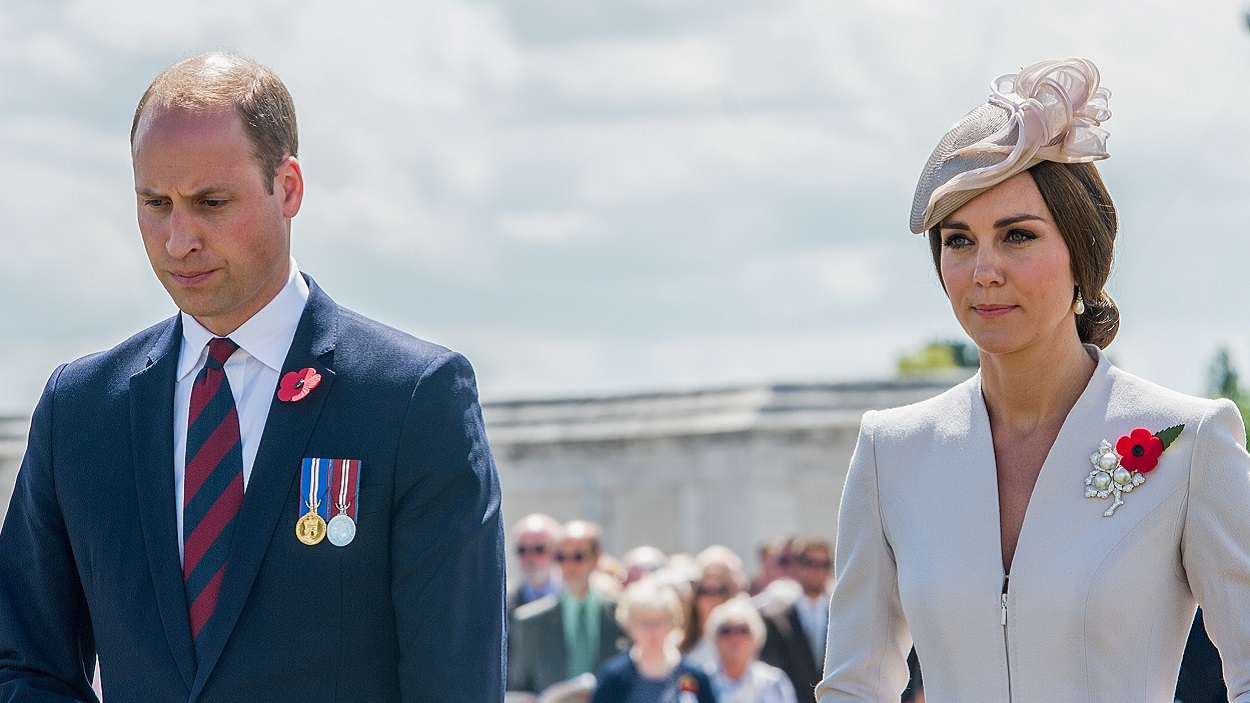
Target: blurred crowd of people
[
  {"x": 586, "y": 625},
  {"x": 650, "y": 627}
]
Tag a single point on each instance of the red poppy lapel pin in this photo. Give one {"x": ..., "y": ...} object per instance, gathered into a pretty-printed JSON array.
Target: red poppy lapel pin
[
  {"x": 1120, "y": 469},
  {"x": 296, "y": 385}
]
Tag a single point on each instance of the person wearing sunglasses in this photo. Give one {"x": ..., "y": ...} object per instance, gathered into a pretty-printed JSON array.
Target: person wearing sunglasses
[
  {"x": 563, "y": 636},
  {"x": 535, "y": 537},
  {"x": 721, "y": 578},
  {"x": 796, "y": 630},
  {"x": 737, "y": 675}
]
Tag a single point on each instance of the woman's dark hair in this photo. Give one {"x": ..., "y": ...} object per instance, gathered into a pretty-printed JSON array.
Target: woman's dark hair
[{"x": 1085, "y": 216}]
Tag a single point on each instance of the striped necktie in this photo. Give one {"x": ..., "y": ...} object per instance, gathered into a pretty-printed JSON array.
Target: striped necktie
[{"x": 213, "y": 488}]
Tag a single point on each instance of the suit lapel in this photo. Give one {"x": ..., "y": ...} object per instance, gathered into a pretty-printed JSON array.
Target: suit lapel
[
  {"x": 559, "y": 656},
  {"x": 799, "y": 638},
  {"x": 152, "y": 434},
  {"x": 288, "y": 429}
]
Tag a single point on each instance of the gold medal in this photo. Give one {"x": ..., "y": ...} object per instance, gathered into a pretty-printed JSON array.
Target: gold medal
[{"x": 311, "y": 528}]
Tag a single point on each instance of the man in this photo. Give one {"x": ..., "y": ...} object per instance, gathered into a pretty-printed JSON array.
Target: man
[
  {"x": 535, "y": 536},
  {"x": 782, "y": 587},
  {"x": 172, "y": 510},
  {"x": 795, "y": 640},
  {"x": 557, "y": 638}
]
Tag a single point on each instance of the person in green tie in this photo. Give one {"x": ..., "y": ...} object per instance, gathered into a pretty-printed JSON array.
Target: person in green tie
[{"x": 559, "y": 637}]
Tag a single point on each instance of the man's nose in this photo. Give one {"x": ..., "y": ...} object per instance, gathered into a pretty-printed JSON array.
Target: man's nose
[{"x": 183, "y": 237}]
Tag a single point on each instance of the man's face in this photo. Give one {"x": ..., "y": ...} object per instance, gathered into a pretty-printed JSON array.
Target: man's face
[
  {"x": 578, "y": 557},
  {"x": 217, "y": 239},
  {"x": 815, "y": 565},
  {"x": 535, "y": 553}
]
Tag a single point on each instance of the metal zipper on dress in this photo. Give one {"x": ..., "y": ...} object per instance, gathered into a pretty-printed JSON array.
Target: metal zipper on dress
[
  {"x": 1006, "y": 643},
  {"x": 1003, "y": 622}
]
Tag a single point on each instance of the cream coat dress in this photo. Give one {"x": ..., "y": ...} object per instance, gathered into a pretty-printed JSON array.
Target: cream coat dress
[{"x": 1096, "y": 609}]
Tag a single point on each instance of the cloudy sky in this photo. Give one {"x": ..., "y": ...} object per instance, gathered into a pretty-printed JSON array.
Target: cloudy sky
[{"x": 590, "y": 197}]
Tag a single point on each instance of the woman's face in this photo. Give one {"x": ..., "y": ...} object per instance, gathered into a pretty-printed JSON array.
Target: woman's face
[
  {"x": 1007, "y": 270},
  {"x": 734, "y": 645},
  {"x": 711, "y": 591},
  {"x": 648, "y": 629}
]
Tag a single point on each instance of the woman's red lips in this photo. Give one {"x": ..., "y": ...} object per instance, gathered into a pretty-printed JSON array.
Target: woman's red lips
[{"x": 993, "y": 310}]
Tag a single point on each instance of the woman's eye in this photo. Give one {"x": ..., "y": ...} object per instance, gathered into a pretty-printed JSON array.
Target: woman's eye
[
  {"x": 1020, "y": 235},
  {"x": 955, "y": 241}
]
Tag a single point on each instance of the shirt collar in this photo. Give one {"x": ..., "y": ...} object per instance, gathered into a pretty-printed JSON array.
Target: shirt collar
[
  {"x": 814, "y": 605},
  {"x": 266, "y": 335}
]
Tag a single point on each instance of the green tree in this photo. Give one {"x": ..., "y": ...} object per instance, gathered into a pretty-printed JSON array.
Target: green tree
[
  {"x": 938, "y": 357},
  {"x": 1224, "y": 382}
]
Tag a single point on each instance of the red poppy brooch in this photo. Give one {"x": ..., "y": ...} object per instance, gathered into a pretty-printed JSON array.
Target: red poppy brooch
[
  {"x": 1120, "y": 469},
  {"x": 295, "y": 385}
]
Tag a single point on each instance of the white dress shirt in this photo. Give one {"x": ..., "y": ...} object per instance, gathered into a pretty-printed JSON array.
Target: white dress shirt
[
  {"x": 814, "y": 617},
  {"x": 760, "y": 683},
  {"x": 252, "y": 371}
]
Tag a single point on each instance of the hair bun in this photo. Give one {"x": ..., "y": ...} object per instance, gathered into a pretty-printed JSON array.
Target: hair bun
[{"x": 1100, "y": 321}]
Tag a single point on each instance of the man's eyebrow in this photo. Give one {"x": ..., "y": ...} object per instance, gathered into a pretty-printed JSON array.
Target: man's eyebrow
[
  {"x": 999, "y": 224},
  {"x": 197, "y": 195}
]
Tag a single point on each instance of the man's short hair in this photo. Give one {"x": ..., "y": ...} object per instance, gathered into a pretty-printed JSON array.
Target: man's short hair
[
  {"x": 538, "y": 522},
  {"x": 220, "y": 79},
  {"x": 581, "y": 529},
  {"x": 802, "y": 545}
]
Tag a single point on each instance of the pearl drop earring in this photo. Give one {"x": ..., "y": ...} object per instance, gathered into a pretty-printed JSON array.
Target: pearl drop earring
[{"x": 1079, "y": 306}]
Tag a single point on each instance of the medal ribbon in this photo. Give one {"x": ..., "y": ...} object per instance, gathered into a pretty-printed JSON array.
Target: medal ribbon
[
  {"x": 346, "y": 486},
  {"x": 314, "y": 484}
]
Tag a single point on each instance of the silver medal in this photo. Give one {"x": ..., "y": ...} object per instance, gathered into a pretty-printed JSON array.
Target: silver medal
[{"x": 341, "y": 530}]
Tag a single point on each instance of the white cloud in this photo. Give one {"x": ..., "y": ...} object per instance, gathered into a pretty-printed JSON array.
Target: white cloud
[
  {"x": 627, "y": 195},
  {"x": 545, "y": 227}
]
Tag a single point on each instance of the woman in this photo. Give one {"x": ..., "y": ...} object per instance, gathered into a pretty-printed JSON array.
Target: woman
[
  {"x": 737, "y": 675},
  {"x": 1136, "y": 496},
  {"x": 721, "y": 577},
  {"x": 652, "y": 671}
]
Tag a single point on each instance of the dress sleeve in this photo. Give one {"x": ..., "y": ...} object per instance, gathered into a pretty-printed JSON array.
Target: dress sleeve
[
  {"x": 1215, "y": 547},
  {"x": 868, "y": 641}
]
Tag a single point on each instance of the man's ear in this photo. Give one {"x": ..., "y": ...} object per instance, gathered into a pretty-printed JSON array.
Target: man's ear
[{"x": 289, "y": 181}]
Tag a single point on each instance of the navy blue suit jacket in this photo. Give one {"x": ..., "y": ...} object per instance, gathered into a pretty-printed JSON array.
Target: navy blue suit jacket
[{"x": 411, "y": 610}]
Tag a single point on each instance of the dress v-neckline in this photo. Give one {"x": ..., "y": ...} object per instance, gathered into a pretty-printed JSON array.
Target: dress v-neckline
[{"x": 1050, "y": 479}]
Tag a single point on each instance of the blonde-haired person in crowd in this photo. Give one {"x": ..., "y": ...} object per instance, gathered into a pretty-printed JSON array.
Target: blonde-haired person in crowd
[
  {"x": 737, "y": 675},
  {"x": 1136, "y": 495},
  {"x": 652, "y": 671}
]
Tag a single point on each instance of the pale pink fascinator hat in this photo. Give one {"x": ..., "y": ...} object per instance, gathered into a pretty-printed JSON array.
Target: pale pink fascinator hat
[{"x": 1050, "y": 111}]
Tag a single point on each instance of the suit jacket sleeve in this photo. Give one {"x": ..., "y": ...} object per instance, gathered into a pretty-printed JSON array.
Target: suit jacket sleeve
[
  {"x": 447, "y": 566},
  {"x": 1215, "y": 548},
  {"x": 868, "y": 641},
  {"x": 47, "y": 649}
]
